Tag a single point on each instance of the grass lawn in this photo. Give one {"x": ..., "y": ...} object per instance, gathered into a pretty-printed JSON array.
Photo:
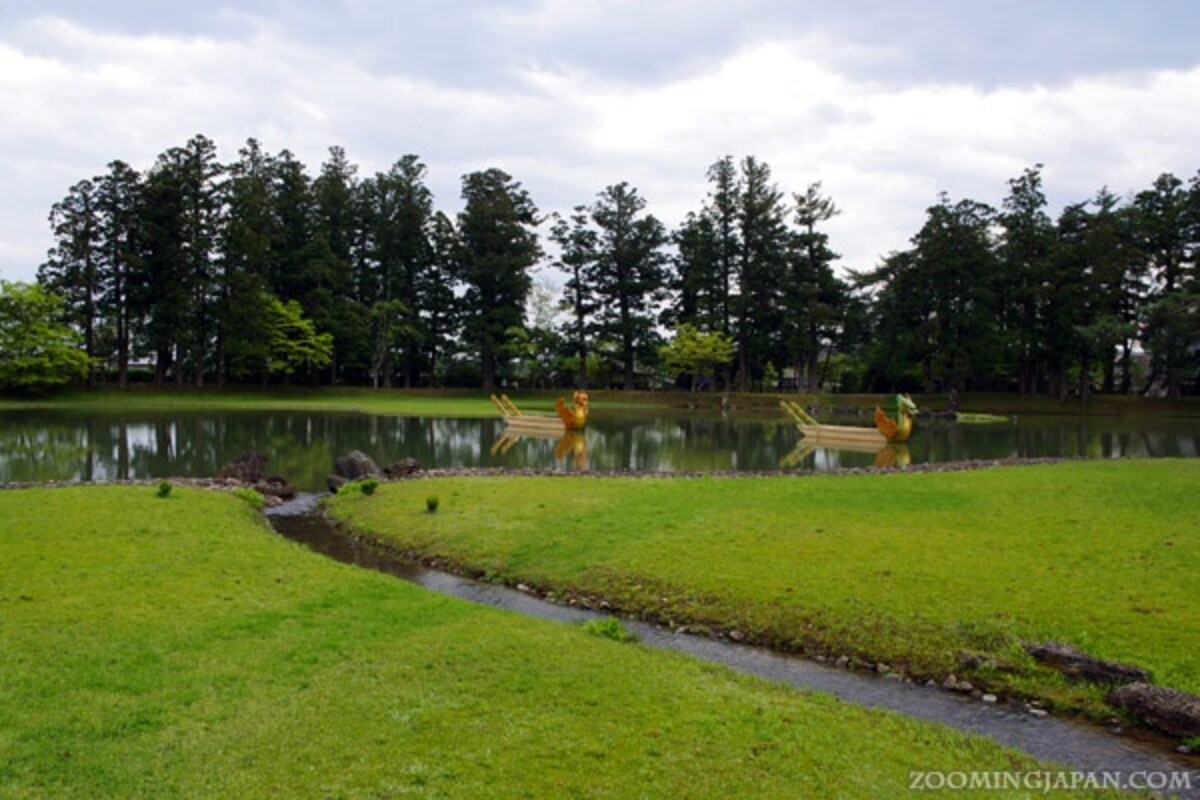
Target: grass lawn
[
  {"x": 909, "y": 569},
  {"x": 176, "y": 648}
]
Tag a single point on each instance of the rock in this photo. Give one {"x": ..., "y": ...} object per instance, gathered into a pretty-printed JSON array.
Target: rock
[
  {"x": 522, "y": 587},
  {"x": 931, "y": 684},
  {"x": 1183, "y": 749},
  {"x": 1171, "y": 711},
  {"x": 402, "y": 469},
  {"x": 842, "y": 661},
  {"x": 276, "y": 486},
  {"x": 893, "y": 676},
  {"x": 355, "y": 465},
  {"x": 989, "y": 698},
  {"x": 882, "y": 668},
  {"x": 966, "y": 687},
  {"x": 335, "y": 482},
  {"x": 976, "y": 661},
  {"x": 271, "y": 501},
  {"x": 736, "y": 635},
  {"x": 1077, "y": 664},
  {"x": 951, "y": 682},
  {"x": 1038, "y": 712},
  {"x": 247, "y": 469}
]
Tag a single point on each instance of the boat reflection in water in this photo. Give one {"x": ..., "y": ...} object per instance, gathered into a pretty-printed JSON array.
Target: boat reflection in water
[
  {"x": 570, "y": 444},
  {"x": 890, "y": 455}
]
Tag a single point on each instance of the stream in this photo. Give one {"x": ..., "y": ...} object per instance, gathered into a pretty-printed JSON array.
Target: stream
[{"x": 1078, "y": 746}]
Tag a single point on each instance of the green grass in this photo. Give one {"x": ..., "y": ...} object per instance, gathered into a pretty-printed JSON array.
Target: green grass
[
  {"x": 909, "y": 569},
  {"x": 174, "y": 647}
]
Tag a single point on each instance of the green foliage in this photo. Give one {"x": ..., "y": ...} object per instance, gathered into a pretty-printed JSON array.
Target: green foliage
[
  {"x": 37, "y": 351},
  {"x": 294, "y": 341},
  {"x": 609, "y": 628},
  {"x": 366, "y": 486},
  {"x": 164, "y": 490},
  {"x": 697, "y": 353},
  {"x": 251, "y": 496},
  {"x": 431, "y": 504}
]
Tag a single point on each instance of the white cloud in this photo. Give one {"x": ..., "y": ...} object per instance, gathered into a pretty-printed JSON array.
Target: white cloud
[{"x": 76, "y": 99}]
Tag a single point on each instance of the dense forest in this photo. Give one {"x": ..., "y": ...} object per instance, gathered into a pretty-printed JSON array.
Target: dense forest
[{"x": 255, "y": 271}]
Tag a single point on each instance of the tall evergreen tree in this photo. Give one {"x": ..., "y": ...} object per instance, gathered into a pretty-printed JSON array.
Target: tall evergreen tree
[
  {"x": 814, "y": 298},
  {"x": 72, "y": 269},
  {"x": 1025, "y": 256},
  {"x": 761, "y": 266},
  {"x": 577, "y": 242},
  {"x": 627, "y": 276},
  {"x": 117, "y": 198},
  {"x": 496, "y": 229}
]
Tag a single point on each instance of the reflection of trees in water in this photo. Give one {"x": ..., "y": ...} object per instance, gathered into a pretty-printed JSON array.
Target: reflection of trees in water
[{"x": 301, "y": 446}]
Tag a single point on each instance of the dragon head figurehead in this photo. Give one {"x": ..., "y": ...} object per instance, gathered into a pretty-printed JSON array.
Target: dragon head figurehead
[
  {"x": 574, "y": 418},
  {"x": 905, "y": 407}
]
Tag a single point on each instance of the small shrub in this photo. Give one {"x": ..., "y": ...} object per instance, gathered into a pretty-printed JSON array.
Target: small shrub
[
  {"x": 609, "y": 628},
  {"x": 164, "y": 489},
  {"x": 431, "y": 504},
  {"x": 364, "y": 486},
  {"x": 251, "y": 496}
]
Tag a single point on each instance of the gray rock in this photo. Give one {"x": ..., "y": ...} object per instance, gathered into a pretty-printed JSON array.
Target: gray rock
[
  {"x": 1039, "y": 712},
  {"x": 989, "y": 698},
  {"x": 403, "y": 468},
  {"x": 842, "y": 661},
  {"x": 1171, "y": 711},
  {"x": 335, "y": 482},
  {"x": 246, "y": 469},
  {"x": 355, "y": 465},
  {"x": 1079, "y": 665},
  {"x": 276, "y": 486}
]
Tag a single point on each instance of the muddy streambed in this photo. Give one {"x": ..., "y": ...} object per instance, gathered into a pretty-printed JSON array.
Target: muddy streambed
[{"x": 1075, "y": 745}]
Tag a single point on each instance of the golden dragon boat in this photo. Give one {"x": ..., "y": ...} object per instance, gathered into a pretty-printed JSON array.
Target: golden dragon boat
[
  {"x": 886, "y": 431},
  {"x": 570, "y": 417}
]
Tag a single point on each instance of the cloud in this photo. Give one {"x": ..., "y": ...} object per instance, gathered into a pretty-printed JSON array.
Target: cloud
[{"x": 78, "y": 97}]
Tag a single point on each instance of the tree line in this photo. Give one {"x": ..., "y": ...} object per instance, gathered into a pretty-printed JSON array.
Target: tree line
[{"x": 256, "y": 271}]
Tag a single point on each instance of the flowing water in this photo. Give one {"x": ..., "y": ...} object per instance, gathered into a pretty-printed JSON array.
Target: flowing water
[
  {"x": 39, "y": 445},
  {"x": 1077, "y": 746}
]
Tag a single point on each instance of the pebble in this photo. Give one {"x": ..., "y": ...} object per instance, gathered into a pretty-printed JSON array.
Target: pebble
[
  {"x": 736, "y": 635},
  {"x": 882, "y": 668},
  {"x": 842, "y": 661},
  {"x": 964, "y": 686},
  {"x": 951, "y": 682},
  {"x": 988, "y": 698},
  {"x": 893, "y": 676},
  {"x": 1038, "y": 712},
  {"x": 1183, "y": 749},
  {"x": 522, "y": 587}
]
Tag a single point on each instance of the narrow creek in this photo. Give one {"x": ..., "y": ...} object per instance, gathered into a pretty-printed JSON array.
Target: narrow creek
[{"x": 1075, "y": 745}]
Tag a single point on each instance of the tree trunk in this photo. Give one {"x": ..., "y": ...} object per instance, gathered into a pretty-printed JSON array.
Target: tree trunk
[{"x": 487, "y": 367}]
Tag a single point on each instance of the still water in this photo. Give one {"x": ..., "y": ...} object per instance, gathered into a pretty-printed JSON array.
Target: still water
[{"x": 63, "y": 445}]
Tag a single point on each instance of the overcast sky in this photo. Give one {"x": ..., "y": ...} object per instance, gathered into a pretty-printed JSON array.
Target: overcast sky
[{"x": 886, "y": 103}]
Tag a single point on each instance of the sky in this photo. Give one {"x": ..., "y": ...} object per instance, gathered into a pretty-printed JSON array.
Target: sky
[{"x": 887, "y": 104}]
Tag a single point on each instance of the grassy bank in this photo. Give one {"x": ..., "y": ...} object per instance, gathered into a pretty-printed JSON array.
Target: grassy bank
[
  {"x": 908, "y": 569},
  {"x": 176, "y": 648}
]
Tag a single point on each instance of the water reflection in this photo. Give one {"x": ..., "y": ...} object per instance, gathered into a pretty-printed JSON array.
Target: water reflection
[{"x": 57, "y": 445}]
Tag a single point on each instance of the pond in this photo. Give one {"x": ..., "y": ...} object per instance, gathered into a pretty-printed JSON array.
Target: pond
[{"x": 38, "y": 445}]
